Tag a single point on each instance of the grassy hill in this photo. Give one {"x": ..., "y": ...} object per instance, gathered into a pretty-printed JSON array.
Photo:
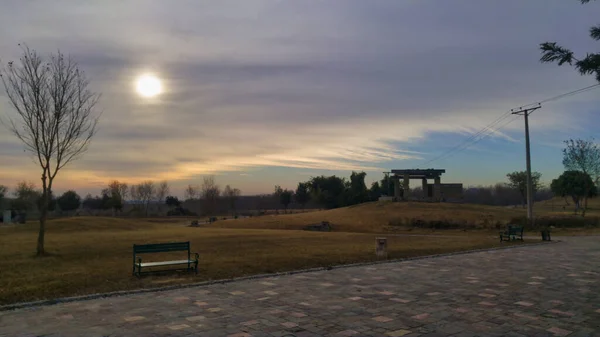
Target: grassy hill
[
  {"x": 376, "y": 217},
  {"x": 381, "y": 216}
]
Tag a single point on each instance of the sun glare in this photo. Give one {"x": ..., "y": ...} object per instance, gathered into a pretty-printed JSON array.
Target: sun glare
[{"x": 148, "y": 86}]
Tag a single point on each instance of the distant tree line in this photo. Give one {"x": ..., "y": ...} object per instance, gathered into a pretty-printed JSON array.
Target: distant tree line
[{"x": 581, "y": 159}]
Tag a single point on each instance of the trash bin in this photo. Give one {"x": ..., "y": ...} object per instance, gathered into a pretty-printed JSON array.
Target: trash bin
[
  {"x": 381, "y": 248},
  {"x": 546, "y": 235}
]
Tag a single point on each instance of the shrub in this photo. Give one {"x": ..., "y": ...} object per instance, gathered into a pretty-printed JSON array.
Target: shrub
[
  {"x": 180, "y": 211},
  {"x": 559, "y": 222},
  {"x": 436, "y": 224}
]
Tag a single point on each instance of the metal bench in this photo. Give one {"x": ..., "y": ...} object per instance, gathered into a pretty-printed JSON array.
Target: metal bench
[
  {"x": 512, "y": 233},
  {"x": 189, "y": 263}
]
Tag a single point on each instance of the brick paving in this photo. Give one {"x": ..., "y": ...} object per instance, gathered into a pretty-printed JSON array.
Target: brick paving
[{"x": 548, "y": 290}]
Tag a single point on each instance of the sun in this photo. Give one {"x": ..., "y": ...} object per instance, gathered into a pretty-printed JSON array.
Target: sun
[{"x": 148, "y": 86}]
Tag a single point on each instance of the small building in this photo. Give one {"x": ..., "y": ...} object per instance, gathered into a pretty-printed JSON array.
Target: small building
[{"x": 430, "y": 192}]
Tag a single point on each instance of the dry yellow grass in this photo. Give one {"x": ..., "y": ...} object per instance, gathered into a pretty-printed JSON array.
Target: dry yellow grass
[
  {"x": 92, "y": 255},
  {"x": 377, "y": 217},
  {"x": 554, "y": 207}
]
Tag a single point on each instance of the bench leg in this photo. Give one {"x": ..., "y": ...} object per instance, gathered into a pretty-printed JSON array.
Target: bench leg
[{"x": 196, "y": 268}]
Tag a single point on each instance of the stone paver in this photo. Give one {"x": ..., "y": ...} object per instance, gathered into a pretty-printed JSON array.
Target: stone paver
[{"x": 549, "y": 290}]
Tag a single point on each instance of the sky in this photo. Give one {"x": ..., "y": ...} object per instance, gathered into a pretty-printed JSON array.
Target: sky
[{"x": 263, "y": 93}]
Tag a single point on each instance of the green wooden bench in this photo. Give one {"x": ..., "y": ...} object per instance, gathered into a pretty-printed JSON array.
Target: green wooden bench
[
  {"x": 189, "y": 263},
  {"x": 512, "y": 232}
]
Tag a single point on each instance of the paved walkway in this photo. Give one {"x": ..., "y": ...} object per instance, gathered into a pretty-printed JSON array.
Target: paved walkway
[{"x": 549, "y": 290}]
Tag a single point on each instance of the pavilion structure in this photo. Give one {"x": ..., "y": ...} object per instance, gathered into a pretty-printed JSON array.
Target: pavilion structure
[{"x": 433, "y": 192}]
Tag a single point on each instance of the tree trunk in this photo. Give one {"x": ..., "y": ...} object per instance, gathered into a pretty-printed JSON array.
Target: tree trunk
[
  {"x": 40, "y": 243},
  {"x": 40, "y": 251},
  {"x": 576, "y": 202},
  {"x": 585, "y": 199}
]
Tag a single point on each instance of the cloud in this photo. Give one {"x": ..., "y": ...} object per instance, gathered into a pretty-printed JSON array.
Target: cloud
[{"x": 314, "y": 85}]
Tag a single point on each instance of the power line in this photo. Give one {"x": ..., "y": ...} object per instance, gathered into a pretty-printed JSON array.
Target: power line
[
  {"x": 490, "y": 128},
  {"x": 571, "y": 93},
  {"x": 473, "y": 137},
  {"x": 487, "y": 130}
]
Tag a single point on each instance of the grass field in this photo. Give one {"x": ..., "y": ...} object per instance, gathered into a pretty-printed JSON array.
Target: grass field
[
  {"x": 90, "y": 255},
  {"x": 94, "y": 254},
  {"x": 377, "y": 217}
]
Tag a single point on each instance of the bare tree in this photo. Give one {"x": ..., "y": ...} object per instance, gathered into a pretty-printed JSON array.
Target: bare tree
[
  {"x": 231, "y": 194},
  {"x": 518, "y": 180},
  {"x": 55, "y": 119},
  {"x": 583, "y": 155},
  {"x": 210, "y": 193},
  {"x": 146, "y": 192},
  {"x": 192, "y": 192},
  {"x": 133, "y": 193},
  {"x": 277, "y": 191},
  {"x": 161, "y": 192},
  {"x": 117, "y": 192},
  {"x": 118, "y": 189},
  {"x": 3, "y": 192},
  {"x": 26, "y": 196}
]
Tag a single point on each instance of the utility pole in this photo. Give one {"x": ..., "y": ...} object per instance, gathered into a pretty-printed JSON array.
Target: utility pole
[{"x": 525, "y": 113}]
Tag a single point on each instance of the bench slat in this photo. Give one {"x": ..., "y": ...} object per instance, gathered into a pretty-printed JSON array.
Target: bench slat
[
  {"x": 161, "y": 247},
  {"x": 164, "y": 263}
]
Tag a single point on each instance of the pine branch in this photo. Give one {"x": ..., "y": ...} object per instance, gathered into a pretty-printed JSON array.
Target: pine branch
[
  {"x": 551, "y": 52},
  {"x": 595, "y": 32},
  {"x": 589, "y": 65}
]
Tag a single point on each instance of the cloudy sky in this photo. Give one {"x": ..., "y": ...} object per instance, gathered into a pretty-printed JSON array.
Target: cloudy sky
[{"x": 260, "y": 93}]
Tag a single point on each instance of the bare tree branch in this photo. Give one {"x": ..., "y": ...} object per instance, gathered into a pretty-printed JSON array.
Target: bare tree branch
[
  {"x": 55, "y": 117},
  {"x": 210, "y": 193}
]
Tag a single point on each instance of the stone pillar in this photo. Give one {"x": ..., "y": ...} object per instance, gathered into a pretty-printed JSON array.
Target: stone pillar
[
  {"x": 406, "y": 186},
  {"x": 424, "y": 187},
  {"x": 437, "y": 189},
  {"x": 397, "y": 192}
]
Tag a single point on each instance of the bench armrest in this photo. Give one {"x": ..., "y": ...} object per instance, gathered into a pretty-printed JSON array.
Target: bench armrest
[
  {"x": 196, "y": 256},
  {"x": 139, "y": 261}
]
